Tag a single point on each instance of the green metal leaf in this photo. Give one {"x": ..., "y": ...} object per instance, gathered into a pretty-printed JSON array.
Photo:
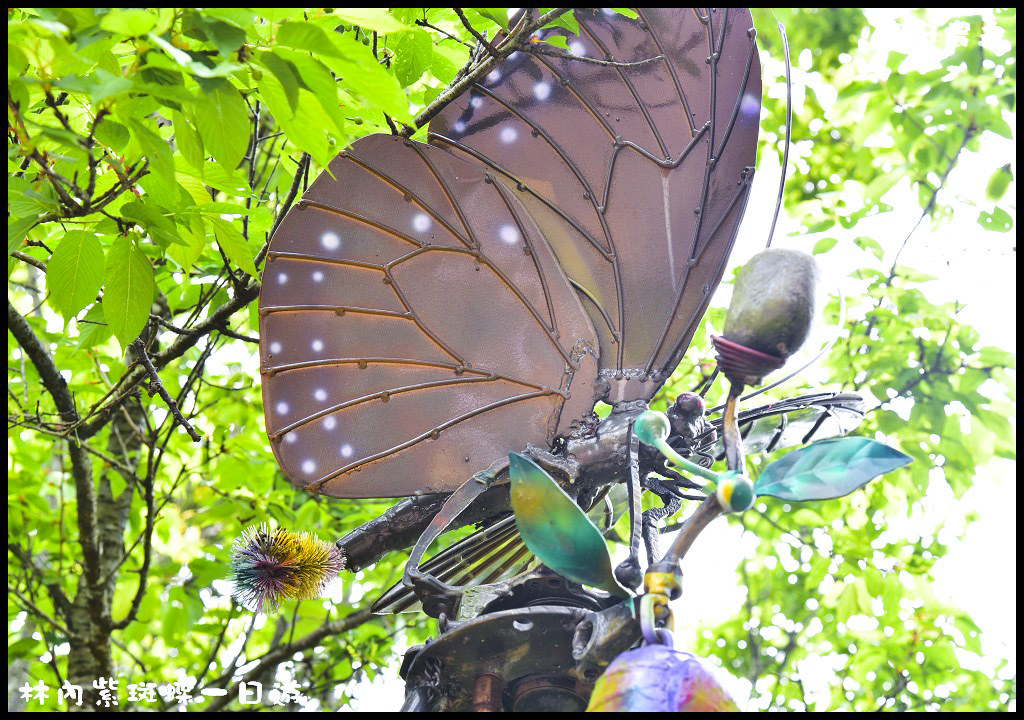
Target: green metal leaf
[
  {"x": 556, "y": 530},
  {"x": 828, "y": 469}
]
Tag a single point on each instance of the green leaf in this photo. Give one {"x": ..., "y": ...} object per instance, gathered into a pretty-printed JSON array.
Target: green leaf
[
  {"x": 413, "y": 54},
  {"x": 16, "y": 231},
  {"x": 92, "y": 329},
  {"x": 148, "y": 215},
  {"x": 188, "y": 141},
  {"x": 129, "y": 21},
  {"x": 318, "y": 80},
  {"x": 306, "y": 36},
  {"x": 557, "y": 40},
  {"x": 991, "y": 355},
  {"x": 195, "y": 240},
  {"x": 824, "y": 245},
  {"x": 113, "y": 134},
  {"x": 232, "y": 242},
  {"x": 286, "y": 74},
  {"x": 998, "y": 220},
  {"x": 156, "y": 150},
  {"x": 869, "y": 244},
  {"x": 366, "y": 77},
  {"x": 223, "y": 123},
  {"x": 999, "y": 182},
  {"x": 74, "y": 274},
  {"x": 566, "y": 21},
  {"x": 374, "y": 19},
  {"x": 128, "y": 290},
  {"x": 556, "y": 530},
  {"x": 828, "y": 469},
  {"x": 499, "y": 16}
]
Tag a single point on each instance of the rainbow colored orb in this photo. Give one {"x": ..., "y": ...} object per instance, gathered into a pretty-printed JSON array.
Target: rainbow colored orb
[{"x": 656, "y": 678}]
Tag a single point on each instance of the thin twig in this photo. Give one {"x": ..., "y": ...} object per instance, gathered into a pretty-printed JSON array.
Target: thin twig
[
  {"x": 292, "y": 192},
  {"x": 513, "y": 43},
  {"x": 537, "y": 50},
  {"x": 156, "y": 385},
  {"x": 447, "y": 35},
  {"x": 474, "y": 32},
  {"x": 225, "y": 330},
  {"x": 30, "y": 260}
]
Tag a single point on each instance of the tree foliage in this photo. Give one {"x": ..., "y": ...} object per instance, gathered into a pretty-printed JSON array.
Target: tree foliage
[{"x": 151, "y": 154}]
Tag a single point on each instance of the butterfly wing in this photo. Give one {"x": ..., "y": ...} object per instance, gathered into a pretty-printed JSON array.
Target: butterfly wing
[
  {"x": 414, "y": 326},
  {"x": 637, "y": 173}
]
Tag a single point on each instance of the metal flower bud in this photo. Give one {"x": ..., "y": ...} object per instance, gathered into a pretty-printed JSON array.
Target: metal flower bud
[
  {"x": 769, "y": 318},
  {"x": 656, "y": 678},
  {"x": 735, "y": 492}
]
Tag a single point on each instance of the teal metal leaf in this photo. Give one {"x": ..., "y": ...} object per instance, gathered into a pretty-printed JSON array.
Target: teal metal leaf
[
  {"x": 828, "y": 469},
  {"x": 556, "y": 530}
]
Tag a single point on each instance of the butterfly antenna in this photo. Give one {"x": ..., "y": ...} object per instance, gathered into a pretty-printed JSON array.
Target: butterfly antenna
[{"x": 789, "y": 132}]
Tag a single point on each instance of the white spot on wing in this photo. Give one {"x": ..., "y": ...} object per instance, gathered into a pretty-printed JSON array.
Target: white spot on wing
[
  {"x": 320, "y": 394},
  {"x": 330, "y": 241},
  {"x": 476, "y": 101},
  {"x": 508, "y": 135},
  {"x": 749, "y": 105},
  {"x": 318, "y": 276},
  {"x": 308, "y": 467},
  {"x": 282, "y": 408},
  {"x": 577, "y": 48},
  {"x": 421, "y": 223},
  {"x": 509, "y": 234},
  {"x": 282, "y": 278},
  {"x": 346, "y": 450},
  {"x": 317, "y": 345},
  {"x": 330, "y": 423},
  {"x": 493, "y": 76},
  {"x": 542, "y": 91},
  {"x": 460, "y": 126},
  {"x": 275, "y": 347},
  {"x": 291, "y": 438}
]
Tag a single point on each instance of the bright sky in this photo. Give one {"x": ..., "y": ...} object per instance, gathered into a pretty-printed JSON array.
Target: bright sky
[{"x": 972, "y": 576}]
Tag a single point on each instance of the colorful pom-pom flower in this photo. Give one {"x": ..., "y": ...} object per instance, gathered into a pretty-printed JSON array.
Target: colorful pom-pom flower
[{"x": 270, "y": 567}]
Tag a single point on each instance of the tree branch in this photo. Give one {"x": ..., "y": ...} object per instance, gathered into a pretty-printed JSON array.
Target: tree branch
[
  {"x": 81, "y": 464},
  {"x": 283, "y": 652},
  {"x": 179, "y": 347},
  {"x": 474, "y": 32},
  {"x": 155, "y": 385}
]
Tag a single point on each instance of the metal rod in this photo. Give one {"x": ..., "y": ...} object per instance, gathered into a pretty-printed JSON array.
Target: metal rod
[{"x": 487, "y": 693}]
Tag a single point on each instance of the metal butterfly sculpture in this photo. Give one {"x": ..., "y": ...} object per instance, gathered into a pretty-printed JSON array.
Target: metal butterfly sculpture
[{"x": 429, "y": 308}]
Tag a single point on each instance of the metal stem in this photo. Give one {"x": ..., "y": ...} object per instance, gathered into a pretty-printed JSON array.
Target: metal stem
[
  {"x": 704, "y": 514},
  {"x": 685, "y": 464},
  {"x": 710, "y": 508},
  {"x": 731, "y": 430}
]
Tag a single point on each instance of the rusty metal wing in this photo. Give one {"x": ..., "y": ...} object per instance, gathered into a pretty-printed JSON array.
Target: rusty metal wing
[
  {"x": 637, "y": 173},
  {"x": 414, "y": 326}
]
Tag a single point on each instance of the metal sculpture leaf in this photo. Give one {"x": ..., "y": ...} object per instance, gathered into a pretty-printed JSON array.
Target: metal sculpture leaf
[
  {"x": 828, "y": 469},
  {"x": 556, "y": 530},
  {"x": 428, "y": 308}
]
